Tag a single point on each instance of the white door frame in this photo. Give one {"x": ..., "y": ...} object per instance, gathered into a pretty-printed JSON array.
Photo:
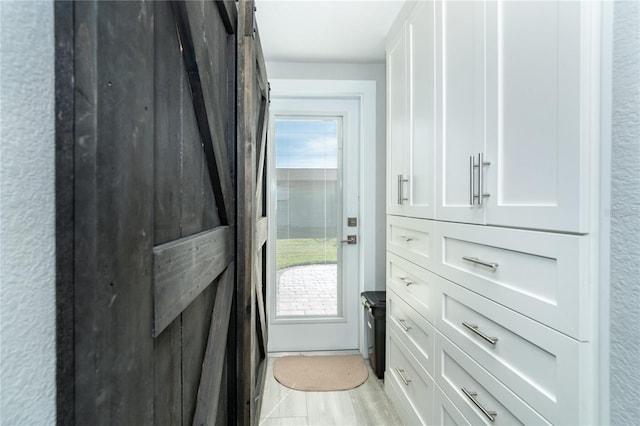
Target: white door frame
[{"x": 365, "y": 92}]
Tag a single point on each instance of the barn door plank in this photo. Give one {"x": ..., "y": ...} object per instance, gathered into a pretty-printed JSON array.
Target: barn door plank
[
  {"x": 210, "y": 125},
  {"x": 182, "y": 269},
  {"x": 262, "y": 138},
  {"x": 64, "y": 86},
  {"x": 262, "y": 322},
  {"x": 213, "y": 366},
  {"x": 246, "y": 369},
  {"x": 113, "y": 212},
  {"x": 252, "y": 113},
  {"x": 229, "y": 15},
  {"x": 246, "y": 194},
  {"x": 168, "y": 197}
]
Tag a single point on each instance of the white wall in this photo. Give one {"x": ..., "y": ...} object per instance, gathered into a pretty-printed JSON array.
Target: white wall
[
  {"x": 373, "y": 72},
  {"x": 625, "y": 217},
  {"x": 27, "y": 210}
]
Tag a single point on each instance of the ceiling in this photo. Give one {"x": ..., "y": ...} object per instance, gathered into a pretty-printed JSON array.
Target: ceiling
[{"x": 349, "y": 31}]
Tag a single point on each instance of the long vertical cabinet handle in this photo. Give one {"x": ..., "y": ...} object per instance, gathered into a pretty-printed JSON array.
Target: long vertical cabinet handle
[
  {"x": 471, "y": 183},
  {"x": 401, "y": 197},
  {"x": 480, "y": 194},
  {"x": 481, "y": 164}
]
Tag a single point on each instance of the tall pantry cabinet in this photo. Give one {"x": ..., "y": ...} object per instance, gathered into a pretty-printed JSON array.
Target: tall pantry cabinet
[{"x": 493, "y": 135}]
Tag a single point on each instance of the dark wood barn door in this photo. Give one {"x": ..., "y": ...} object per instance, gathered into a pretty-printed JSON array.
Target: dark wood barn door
[
  {"x": 160, "y": 264},
  {"x": 253, "y": 113}
]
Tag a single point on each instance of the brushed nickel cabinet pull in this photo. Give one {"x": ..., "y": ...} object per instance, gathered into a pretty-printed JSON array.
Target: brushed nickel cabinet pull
[
  {"x": 402, "y": 376},
  {"x": 475, "y": 260},
  {"x": 491, "y": 415},
  {"x": 481, "y": 164},
  {"x": 480, "y": 179},
  {"x": 474, "y": 328},
  {"x": 404, "y": 237},
  {"x": 406, "y": 281},
  {"x": 471, "y": 183},
  {"x": 405, "y": 327},
  {"x": 401, "y": 197}
]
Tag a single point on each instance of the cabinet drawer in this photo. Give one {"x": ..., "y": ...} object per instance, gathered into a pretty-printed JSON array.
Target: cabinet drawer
[
  {"x": 541, "y": 275},
  {"x": 412, "y": 283},
  {"x": 412, "y": 239},
  {"x": 411, "y": 378},
  {"x": 481, "y": 398},
  {"x": 444, "y": 412},
  {"x": 400, "y": 402},
  {"x": 412, "y": 329},
  {"x": 537, "y": 363}
]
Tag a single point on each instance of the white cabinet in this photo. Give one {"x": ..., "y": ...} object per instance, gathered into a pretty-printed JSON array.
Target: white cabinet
[
  {"x": 541, "y": 84},
  {"x": 460, "y": 95},
  {"x": 397, "y": 123},
  {"x": 539, "y": 274},
  {"x": 517, "y": 93},
  {"x": 411, "y": 115},
  {"x": 492, "y": 268},
  {"x": 546, "y": 369}
]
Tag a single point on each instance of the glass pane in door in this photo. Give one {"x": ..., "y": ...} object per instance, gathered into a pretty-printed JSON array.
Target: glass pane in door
[{"x": 307, "y": 215}]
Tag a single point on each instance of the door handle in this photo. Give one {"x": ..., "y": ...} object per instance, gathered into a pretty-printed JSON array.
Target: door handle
[{"x": 351, "y": 239}]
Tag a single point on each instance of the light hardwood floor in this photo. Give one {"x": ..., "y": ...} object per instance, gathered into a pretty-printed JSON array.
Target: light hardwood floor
[{"x": 365, "y": 405}]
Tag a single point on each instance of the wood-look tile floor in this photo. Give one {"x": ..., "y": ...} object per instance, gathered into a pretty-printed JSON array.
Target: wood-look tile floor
[{"x": 365, "y": 405}]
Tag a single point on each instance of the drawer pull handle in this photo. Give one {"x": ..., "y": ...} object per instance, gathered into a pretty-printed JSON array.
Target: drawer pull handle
[
  {"x": 475, "y": 260},
  {"x": 404, "y": 237},
  {"x": 491, "y": 415},
  {"x": 474, "y": 328},
  {"x": 405, "y": 327},
  {"x": 406, "y": 281},
  {"x": 402, "y": 376}
]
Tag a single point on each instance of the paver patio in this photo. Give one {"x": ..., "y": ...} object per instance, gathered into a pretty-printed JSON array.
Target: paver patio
[{"x": 307, "y": 290}]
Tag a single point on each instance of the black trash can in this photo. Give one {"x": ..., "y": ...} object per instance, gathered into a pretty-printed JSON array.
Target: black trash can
[{"x": 375, "y": 303}]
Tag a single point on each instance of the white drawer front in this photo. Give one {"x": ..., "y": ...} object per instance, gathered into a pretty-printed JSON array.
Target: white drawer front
[
  {"x": 541, "y": 275},
  {"x": 537, "y": 363},
  {"x": 416, "y": 384},
  {"x": 413, "y": 284},
  {"x": 444, "y": 412},
  {"x": 400, "y": 401},
  {"x": 415, "y": 332},
  {"x": 486, "y": 401},
  {"x": 412, "y": 239}
]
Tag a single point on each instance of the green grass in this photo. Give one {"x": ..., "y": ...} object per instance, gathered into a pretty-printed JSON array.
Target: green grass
[{"x": 305, "y": 251}]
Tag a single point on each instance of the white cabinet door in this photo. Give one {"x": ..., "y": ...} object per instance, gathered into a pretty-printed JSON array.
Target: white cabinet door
[
  {"x": 411, "y": 116},
  {"x": 460, "y": 116},
  {"x": 539, "y": 84},
  {"x": 421, "y": 149},
  {"x": 397, "y": 123}
]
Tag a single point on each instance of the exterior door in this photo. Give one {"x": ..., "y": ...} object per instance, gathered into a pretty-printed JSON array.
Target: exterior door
[{"x": 314, "y": 301}]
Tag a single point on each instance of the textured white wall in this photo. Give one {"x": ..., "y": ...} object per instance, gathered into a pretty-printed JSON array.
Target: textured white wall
[
  {"x": 27, "y": 210},
  {"x": 625, "y": 217},
  {"x": 373, "y": 72}
]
